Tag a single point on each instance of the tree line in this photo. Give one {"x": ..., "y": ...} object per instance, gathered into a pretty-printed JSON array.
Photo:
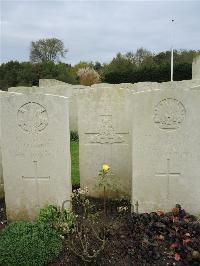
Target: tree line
[{"x": 131, "y": 67}]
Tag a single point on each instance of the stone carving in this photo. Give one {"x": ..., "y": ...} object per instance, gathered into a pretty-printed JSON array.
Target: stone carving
[
  {"x": 168, "y": 174},
  {"x": 32, "y": 117},
  {"x": 106, "y": 132},
  {"x": 169, "y": 114},
  {"x": 36, "y": 178}
]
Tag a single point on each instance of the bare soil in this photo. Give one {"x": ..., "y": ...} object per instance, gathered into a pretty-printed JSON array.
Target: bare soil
[
  {"x": 141, "y": 239},
  {"x": 135, "y": 239}
]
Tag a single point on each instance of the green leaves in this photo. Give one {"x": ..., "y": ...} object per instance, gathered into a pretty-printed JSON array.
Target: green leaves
[
  {"x": 35, "y": 243},
  {"x": 28, "y": 243},
  {"x": 60, "y": 219}
]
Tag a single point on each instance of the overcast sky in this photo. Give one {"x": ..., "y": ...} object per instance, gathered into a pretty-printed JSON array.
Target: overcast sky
[{"x": 97, "y": 30}]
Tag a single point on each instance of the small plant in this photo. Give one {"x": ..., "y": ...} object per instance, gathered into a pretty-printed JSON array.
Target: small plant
[
  {"x": 86, "y": 242},
  {"x": 60, "y": 219},
  {"x": 74, "y": 136},
  {"x": 87, "y": 230},
  {"x": 106, "y": 181},
  {"x": 79, "y": 197},
  {"x": 29, "y": 243}
]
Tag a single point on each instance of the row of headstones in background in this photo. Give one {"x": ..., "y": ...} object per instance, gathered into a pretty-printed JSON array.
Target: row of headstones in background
[
  {"x": 196, "y": 68},
  {"x": 51, "y": 86},
  {"x": 35, "y": 152}
]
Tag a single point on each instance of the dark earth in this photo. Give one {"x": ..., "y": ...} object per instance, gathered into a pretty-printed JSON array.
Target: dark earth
[{"x": 156, "y": 238}]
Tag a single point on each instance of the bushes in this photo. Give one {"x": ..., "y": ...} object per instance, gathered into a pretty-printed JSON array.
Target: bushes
[
  {"x": 61, "y": 220},
  {"x": 35, "y": 243},
  {"x": 28, "y": 243},
  {"x": 15, "y": 73},
  {"x": 152, "y": 73}
]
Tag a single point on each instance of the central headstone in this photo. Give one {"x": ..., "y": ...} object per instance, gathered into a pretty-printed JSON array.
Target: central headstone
[
  {"x": 35, "y": 152},
  {"x": 104, "y": 138}
]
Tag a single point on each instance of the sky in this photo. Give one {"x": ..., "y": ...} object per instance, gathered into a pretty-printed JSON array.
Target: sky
[{"x": 98, "y": 30}]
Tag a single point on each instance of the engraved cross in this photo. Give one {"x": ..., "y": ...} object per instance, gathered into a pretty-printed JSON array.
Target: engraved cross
[
  {"x": 168, "y": 174},
  {"x": 37, "y": 179}
]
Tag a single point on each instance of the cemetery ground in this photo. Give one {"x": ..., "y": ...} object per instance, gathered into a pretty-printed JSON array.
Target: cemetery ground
[
  {"x": 100, "y": 232},
  {"x": 75, "y": 163}
]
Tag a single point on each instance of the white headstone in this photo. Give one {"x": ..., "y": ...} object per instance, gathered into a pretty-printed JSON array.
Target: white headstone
[
  {"x": 104, "y": 138},
  {"x": 24, "y": 89},
  {"x": 50, "y": 82},
  {"x": 2, "y": 94},
  {"x": 166, "y": 150},
  {"x": 35, "y": 153},
  {"x": 196, "y": 68},
  {"x": 1, "y": 168}
]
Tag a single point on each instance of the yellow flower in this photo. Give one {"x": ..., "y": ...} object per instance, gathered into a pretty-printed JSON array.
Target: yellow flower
[{"x": 105, "y": 168}]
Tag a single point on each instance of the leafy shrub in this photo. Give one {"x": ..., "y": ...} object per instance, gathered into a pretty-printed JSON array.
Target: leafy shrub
[
  {"x": 60, "y": 219},
  {"x": 28, "y": 243}
]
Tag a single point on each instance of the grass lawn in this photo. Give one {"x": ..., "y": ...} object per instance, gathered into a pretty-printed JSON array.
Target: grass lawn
[{"x": 74, "y": 146}]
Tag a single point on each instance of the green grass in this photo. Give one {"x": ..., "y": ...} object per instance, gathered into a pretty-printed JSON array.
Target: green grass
[{"x": 74, "y": 145}]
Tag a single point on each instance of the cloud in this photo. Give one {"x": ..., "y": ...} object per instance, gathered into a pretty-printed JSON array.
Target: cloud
[{"x": 97, "y": 30}]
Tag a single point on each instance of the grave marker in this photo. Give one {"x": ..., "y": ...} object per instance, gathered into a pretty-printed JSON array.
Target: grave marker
[
  {"x": 2, "y": 94},
  {"x": 196, "y": 68},
  {"x": 104, "y": 138},
  {"x": 35, "y": 152},
  {"x": 166, "y": 149}
]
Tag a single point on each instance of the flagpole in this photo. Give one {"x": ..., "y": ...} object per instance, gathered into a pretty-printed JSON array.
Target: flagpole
[
  {"x": 172, "y": 54},
  {"x": 172, "y": 63}
]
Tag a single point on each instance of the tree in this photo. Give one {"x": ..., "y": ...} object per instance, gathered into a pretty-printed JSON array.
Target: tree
[
  {"x": 142, "y": 56},
  {"x": 9, "y": 74},
  {"x": 82, "y": 64},
  {"x": 119, "y": 70},
  {"x": 47, "y": 50}
]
